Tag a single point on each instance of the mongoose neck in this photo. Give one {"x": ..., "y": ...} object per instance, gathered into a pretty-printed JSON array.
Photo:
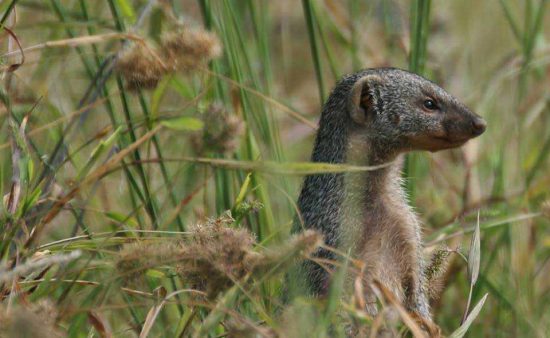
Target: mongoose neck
[{"x": 323, "y": 199}]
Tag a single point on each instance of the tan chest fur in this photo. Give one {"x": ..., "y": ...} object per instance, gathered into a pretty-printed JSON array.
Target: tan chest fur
[{"x": 378, "y": 224}]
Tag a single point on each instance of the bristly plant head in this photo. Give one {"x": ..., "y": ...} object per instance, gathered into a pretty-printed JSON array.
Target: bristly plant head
[
  {"x": 140, "y": 68},
  {"x": 185, "y": 49},
  {"x": 29, "y": 320},
  {"x": 409, "y": 112},
  {"x": 188, "y": 48},
  {"x": 222, "y": 131}
]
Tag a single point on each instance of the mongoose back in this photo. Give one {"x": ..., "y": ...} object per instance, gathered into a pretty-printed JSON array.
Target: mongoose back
[{"x": 372, "y": 118}]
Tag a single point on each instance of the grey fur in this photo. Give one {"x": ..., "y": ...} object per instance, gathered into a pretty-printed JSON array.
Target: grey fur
[{"x": 373, "y": 117}]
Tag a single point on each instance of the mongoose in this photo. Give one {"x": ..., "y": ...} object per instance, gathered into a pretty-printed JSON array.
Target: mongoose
[{"x": 372, "y": 118}]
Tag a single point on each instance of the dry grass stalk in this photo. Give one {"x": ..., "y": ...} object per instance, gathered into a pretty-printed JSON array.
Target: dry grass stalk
[
  {"x": 414, "y": 322},
  {"x": 280, "y": 258},
  {"x": 545, "y": 209},
  {"x": 92, "y": 177},
  {"x": 73, "y": 42},
  {"x": 39, "y": 263}
]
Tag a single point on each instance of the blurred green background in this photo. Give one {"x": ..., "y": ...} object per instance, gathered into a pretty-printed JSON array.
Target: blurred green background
[{"x": 67, "y": 110}]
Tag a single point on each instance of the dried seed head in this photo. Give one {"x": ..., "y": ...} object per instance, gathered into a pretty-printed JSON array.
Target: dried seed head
[
  {"x": 216, "y": 255},
  {"x": 184, "y": 50},
  {"x": 134, "y": 259},
  {"x": 306, "y": 242},
  {"x": 140, "y": 68},
  {"x": 248, "y": 207},
  {"x": 438, "y": 263},
  {"x": 36, "y": 320},
  {"x": 435, "y": 271},
  {"x": 187, "y": 49},
  {"x": 221, "y": 133}
]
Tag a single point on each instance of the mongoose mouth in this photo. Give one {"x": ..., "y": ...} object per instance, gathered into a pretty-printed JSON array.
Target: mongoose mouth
[
  {"x": 448, "y": 142},
  {"x": 454, "y": 142},
  {"x": 435, "y": 143}
]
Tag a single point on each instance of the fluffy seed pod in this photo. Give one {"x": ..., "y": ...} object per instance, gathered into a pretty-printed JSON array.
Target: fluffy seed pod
[
  {"x": 35, "y": 320},
  {"x": 221, "y": 132},
  {"x": 140, "y": 68},
  {"x": 188, "y": 49}
]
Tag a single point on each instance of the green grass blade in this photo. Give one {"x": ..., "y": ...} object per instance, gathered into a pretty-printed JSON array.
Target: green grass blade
[{"x": 309, "y": 16}]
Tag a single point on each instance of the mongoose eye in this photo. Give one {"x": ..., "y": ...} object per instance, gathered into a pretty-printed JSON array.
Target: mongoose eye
[{"x": 430, "y": 104}]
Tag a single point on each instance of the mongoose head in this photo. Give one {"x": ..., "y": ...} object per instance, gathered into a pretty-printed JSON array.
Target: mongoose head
[{"x": 408, "y": 112}]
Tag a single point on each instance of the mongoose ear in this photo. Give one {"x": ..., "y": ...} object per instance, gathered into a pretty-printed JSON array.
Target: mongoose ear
[{"x": 362, "y": 99}]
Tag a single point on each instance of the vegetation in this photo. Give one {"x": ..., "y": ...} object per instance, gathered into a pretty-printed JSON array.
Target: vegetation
[{"x": 152, "y": 152}]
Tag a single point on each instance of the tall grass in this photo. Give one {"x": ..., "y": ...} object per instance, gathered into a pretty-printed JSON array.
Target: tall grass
[
  {"x": 104, "y": 183},
  {"x": 419, "y": 35}
]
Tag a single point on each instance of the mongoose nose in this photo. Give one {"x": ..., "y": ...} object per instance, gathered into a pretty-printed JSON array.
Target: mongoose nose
[{"x": 478, "y": 126}]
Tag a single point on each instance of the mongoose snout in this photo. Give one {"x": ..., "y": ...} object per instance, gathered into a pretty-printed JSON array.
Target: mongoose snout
[
  {"x": 461, "y": 125},
  {"x": 478, "y": 126}
]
